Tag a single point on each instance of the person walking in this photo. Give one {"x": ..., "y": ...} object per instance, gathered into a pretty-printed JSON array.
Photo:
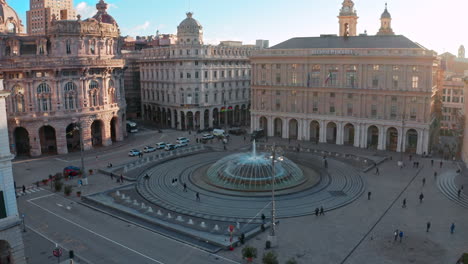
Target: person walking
[
  {"x": 112, "y": 176},
  {"x": 325, "y": 163},
  {"x": 435, "y": 174},
  {"x": 369, "y": 195},
  {"x": 317, "y": 211},
  {"x": 197, "y": 195},
  {"x": 441, "y": 163},
  {"x": 428, "y": 226},
  {"x": 121, "y": 179},
  {"x": 401, "y": 235},
  {"x": 410, "y": 157},
  {"x": 424, "y": 181},
  {"x": 432, "y": 163},
  {"x": 404, "y": 203},
  {"x": 421, "y": 197},
  {"x": 459, "y": 193},
  {"x": 377, "y": 172},
  {"x": 185, "y": 187},
  {"x": 395, "y": 235},
  {"x": 322, "y": 212},
  {"x": 452, "y": 228},
  {"x": 24, "y": 189}
]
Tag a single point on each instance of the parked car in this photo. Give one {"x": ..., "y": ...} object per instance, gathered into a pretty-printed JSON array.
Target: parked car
[
  {"x": 207, "y": 137},
  {"x": 160, "y": 145},
  {"x": 71, "y": 171},
  {"x": 170, "y": 147},
  {"x": 180, "y": 145},
  {"x": 134, "y": 152},
  {"x": 182, "y": 140},
  {"x": 149, "y": 149},
  {"x": 219, "y": 132}
]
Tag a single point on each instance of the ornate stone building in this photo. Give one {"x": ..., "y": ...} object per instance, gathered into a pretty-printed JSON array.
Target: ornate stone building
[
  {"x": 364, "y": 91},
  {"x": 41, "y": 12},
  {"x": 11, "y": 240},
  {"x": 191, "y": 85},
  {"x": 72, "y": 76}
]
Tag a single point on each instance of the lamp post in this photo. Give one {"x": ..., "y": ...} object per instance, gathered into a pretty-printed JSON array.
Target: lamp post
[
  {"x": 78, "y": 127},
  {"x": 274, "y": 158}
]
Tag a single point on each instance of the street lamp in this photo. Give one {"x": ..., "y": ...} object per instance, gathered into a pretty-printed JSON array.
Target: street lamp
[
  {"x": 275, "y": 157},
  {"x": 78, "y": 127}
]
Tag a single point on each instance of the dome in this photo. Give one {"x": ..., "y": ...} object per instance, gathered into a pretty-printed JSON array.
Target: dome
[
  {"x": 252, "y": 172},
  {"x": 386, "y": 14},
  {"x": 102, "y": 15},
  {"x": 9, "y": 20},
  {"x": 190, "y": 31}
]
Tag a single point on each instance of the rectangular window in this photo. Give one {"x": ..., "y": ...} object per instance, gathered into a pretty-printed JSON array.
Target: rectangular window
[
  {"x": 350, "y": 109},
  {"x": 278, "y": 78},
  {"x": 375, "y": 82},
  {"x": 206, "y": 98},
  {"x": 415, "y": 82},
  {"x": 206, "y": 74},
  {"x": 278, "y": 105},
  {"x": 350, "y": 96},
  {"x": 189, "y": 75},
  {"x": 315, "y": 78},
  {"x": 376, "y": 67},
  {"x": 196, "y": 75},
  {"x": 395, "y": 81},
  {"x": 413, "y": 113},
  {"x": 332, "y": 95},
  {"x": 222, "y": 74},
  {"x": 351, "y": 79},
  {"x": 294, "y": 78},
  {"x": 394, "y": 98},
  {"x": 315, "y": 107},
  {"x": 393, "y": 112},
  {"x": 332, "y": 108},
  {"x": 374, "y": 111},
  {"x": 278, "y": 66},
  {"x": 215, "y": 74}
]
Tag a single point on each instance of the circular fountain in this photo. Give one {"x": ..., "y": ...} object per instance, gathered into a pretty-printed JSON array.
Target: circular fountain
[{"x": 253, "y": 172}]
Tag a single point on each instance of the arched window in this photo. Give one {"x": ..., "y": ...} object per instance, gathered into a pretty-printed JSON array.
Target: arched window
[
  {"x": 70, "y": 92},
  {"x": 93, "y": 85},
  {"x": 93, "y": 93},
  {"x": 92, "y": 47},
  {"x": 11, "y": 28},
  {"x": 18, "y": 99},
  {"x": 44, "y": 102},
  {"x": 112, "y": 94},
  {"x": 68, "y": 45}
]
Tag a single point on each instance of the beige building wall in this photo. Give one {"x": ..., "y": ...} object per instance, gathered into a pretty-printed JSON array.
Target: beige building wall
[{"x": 41, "y": 12}]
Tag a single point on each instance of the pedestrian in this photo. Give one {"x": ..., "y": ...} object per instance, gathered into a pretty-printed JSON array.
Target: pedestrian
[
  {"x": 432, "y": 163},
  {"x": 263, "y": 218},
  {"x": 417, "y": 165},
  {"x": 395, "y": 235},
  {"x": 377, "y": 172},
  {"x": 112, "y": 176},
  {"x": 421, "y": 197},
  {"x": 325, "y": 163},
  {"x": 401, "y": 236},
  {"x": 424, "y": 181},
  {"x": 322, "y": 212},
  {"x": 410, "y": 157},
  {"x": 224, "y": 147},
  {"x": 317, "y": 211},
  {"x": 459, "y": 193},
  {"x": 441, "y": 163},
  {"x": 197, "y": 196},
  {"x": 185, "y": 187},
  {"x": 24, "y": 189},
  {"x": 404, "y": 203},
  {"x": 435, "y": 174},
  {"x": 452, "y": 228},
  {"x": 244, "y": 138},
  {"x": 461, "y": 188},
  {"x": 121, "y": 179},
  {"x": 428, "y": 226},
  {"x": 196, "y": 140},
  {"x": 369, "y": 195}
]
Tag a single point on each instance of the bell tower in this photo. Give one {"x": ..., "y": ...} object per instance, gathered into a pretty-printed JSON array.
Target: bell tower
[
  {"x": 348, "y": 19},
  {"x": 461, "y": 52},
  {"x": 385, "y": 23}
]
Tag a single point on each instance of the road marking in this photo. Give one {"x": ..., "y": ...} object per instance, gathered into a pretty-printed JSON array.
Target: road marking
[
  {"x": 99, "y": 235},
  {"x": 62, "y": 160},
  {"x": 28, "y": 191},
  {"x": 59, "y": 205},
  {"x": 68, "y": 208},
  {"x": 57, "y": 243},
  {"x": 40, "y": 197}
]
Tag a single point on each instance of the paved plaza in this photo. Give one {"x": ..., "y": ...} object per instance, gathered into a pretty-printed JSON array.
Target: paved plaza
[{"x": 353, "y": 230}]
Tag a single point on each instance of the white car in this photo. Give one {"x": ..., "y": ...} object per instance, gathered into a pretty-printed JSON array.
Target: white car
[
  {"x": 182, "y": 140},
  {"x": 149, "y": 149},
  {"x": 134, "y": 152},
  {"x": 180, "y": 145},
  {"x": 207, "y": 136},
  {"x": 170, "y": 147},
  {"x": 160, "y": 145}
]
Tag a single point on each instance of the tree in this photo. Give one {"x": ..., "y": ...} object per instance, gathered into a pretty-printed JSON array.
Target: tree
[{"x": 270, "y": 258}]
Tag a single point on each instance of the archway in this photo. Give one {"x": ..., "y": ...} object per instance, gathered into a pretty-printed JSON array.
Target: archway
[
  {"x": 5, "y": 251},
  {"x": 168, "y": 118},
  {"x": 206, "y": 118},
  {"x": 22, "y": 142},
  {"x": 113, "y": 128},
  {"x": 411, "y": 141},
  {"x": 263, "y": 124},
  {"x": 392, "y": 139},
  {"x": 278, "y": 128},
  {"x": 190, "y": 123},
  {"x": 237, "y": 116},
  {"x": 48, "y": 140},
  {"x": 222, "y": 116},
  {"x": 182, "y": 121},
  {"x": 348, "y": 135},
  {"x": 73, "y": 138},
  {"x": 372, "y": 137},
  {"x": 314, "y": 131},
  {"x": 331, "y": 133},
  {"x": 230, "y": 115},
  {"x": 97, "y": 132},
  {"x": 176, "y": 119},
  {"x": 215, "y": 118},
  {"x": 162, "y": 121},
  {"x": 243, "y": 115},
  {"x": 197, "y": 120},
  {"x": 293, "y": 129}
]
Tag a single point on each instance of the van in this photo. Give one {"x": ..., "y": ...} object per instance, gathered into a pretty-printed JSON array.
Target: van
[{"x": 218, "y": 132}]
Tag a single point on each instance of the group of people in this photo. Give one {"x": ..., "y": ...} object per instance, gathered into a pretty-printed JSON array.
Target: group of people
[{"x": 319, "y": 211}]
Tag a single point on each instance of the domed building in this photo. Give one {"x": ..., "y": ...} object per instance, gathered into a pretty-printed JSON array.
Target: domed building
[
  {"x": 9, "y": 20},
  {"x": 70, "y": 78},
  {"x": 190, "y": 85}
]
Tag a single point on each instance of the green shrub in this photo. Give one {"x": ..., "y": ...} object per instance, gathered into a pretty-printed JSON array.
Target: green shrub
[
  {"x": 58, "y": 186},
  {"x": 270, "y": 258},
  {"x": 291, "y": 261},
  {"x": 68, "y": 190},
  {"x": 249, "y": 252}
]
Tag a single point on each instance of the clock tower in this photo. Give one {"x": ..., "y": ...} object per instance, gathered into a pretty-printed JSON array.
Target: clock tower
[{"x": 348, "y": 19}]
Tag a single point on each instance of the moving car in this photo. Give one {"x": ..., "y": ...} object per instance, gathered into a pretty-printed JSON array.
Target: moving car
[
  {"x": 219, "y": 132},
  {"x": 161, "y": 145},
  {"x": 180, "y": 145},
  {"x": 207, "y": 137},
  {"x": 182, "y": 140},
  {"x": 149, "y": 149},
  {"x": 170, "y": 147},
  {"x": 134, "y": 152}
]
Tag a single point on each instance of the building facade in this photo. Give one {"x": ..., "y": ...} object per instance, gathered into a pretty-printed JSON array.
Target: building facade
[
  {"x": 72, "y": 77},
  {"x": 11, "y": 240},
  {"x": 364, "y": 91},
  {"x": 191, "y": 85},
  {"x": 453, "y": 105},
  {"x": 42, "y": 12}
]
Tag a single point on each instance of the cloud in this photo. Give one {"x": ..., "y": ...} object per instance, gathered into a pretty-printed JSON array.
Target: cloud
[
  {"x": 139, "y": 30},
  {"x": 141, "y": 27},
  {"x": 85, "y": 10}
]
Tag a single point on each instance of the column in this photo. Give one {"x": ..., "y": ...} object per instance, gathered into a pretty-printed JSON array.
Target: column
[
  {"x": 380, "y": 145},
  {"x": 210, "y": 117},
  {"x": 172, "y": 119},
  {"x": 106, "y": 136},
  {"x": 60, "y": 137},
  {"x": 285, "y": 128},
  {"x": 34, "y": 140},
  {"x": 86, "y": 134},
  {"x": 357, "y": 135},
  {"x": 202, "y": 119},
  {"x": 384, "y": 138},
  {"x": 119, "y": 129},
  {"x": 364, "y": 136},
  {"x": 271, "y": 127},
  {"x": 339, "y": 133},
  {"x": 404, "y": 140},
  {"x": 400, "y": 139},
  {"x": 419, "y": 147},
  {"x": 323, "y": 132},
  {"x": 300, "y": 125},
  {"x": 426, "y": 142}
]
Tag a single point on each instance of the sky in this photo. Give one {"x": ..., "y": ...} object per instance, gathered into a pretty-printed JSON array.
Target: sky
[{"x": 437, "y": 25}]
